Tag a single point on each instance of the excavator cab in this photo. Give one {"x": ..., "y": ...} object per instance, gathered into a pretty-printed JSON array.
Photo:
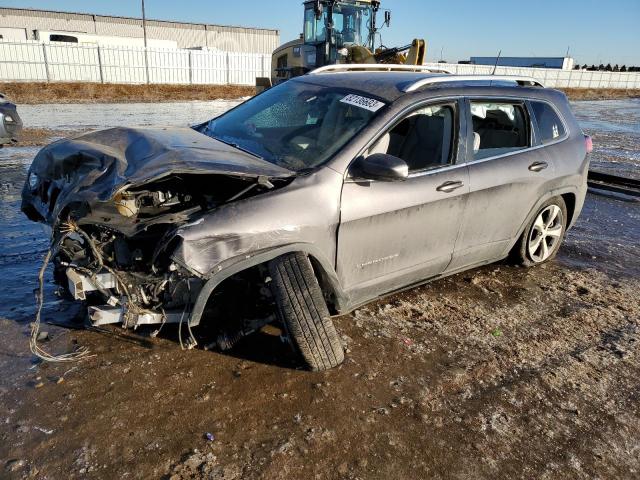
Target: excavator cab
[
  {"x": 338, "y": 31},
  {"x": 335, "y": 28}
]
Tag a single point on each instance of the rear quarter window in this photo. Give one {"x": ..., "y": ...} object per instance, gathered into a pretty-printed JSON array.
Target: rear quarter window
[{"x": 550, "y": 126}]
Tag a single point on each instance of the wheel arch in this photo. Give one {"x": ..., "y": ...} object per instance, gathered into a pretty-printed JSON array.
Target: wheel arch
[
  {"x": 564, "y": 193},
  {"x": 570, "y": 201},
  {"x": 337, "y": 299}
]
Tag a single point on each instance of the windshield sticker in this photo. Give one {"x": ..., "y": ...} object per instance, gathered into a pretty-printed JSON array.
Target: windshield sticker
[{"x": 363, "y": 102}]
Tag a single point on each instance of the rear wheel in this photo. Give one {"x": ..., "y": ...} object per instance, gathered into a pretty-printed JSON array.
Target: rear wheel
[
  {"x": 541, "y": 240},
  {"x": 304, "y": 312}
]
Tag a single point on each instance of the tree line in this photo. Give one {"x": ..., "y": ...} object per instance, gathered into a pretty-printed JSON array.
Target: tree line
[{"x": 607, "y": 68}]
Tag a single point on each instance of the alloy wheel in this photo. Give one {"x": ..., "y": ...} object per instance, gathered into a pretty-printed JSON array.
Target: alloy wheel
[{"x": 546, "y": 233}]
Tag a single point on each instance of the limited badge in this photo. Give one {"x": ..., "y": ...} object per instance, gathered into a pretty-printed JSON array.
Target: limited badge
[{"x": 363, "y": 102}]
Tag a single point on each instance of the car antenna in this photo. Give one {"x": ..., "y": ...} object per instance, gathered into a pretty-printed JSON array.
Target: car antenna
[{"x": 496, "y": 64}]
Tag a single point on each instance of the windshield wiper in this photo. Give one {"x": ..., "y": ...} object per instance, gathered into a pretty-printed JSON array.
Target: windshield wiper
[{"x": 235, "y": 145}]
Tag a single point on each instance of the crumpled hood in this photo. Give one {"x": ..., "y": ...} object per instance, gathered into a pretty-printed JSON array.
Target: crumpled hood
[{"x": 95, "y": 166}]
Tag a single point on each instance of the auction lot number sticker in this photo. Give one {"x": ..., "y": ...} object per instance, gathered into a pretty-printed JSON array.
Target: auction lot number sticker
[{"x": 363, "y": 102}]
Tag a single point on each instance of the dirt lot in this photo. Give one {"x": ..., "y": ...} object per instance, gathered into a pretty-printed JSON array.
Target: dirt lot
[
  {"x": 31, "y": 93},
  {"x": 500, "y": 372},
  {"x": 599, "y": 93},
  {"x": 39, "y": 137}
]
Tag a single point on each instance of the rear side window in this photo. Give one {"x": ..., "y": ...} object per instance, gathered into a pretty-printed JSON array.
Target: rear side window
[
  {"x": 498, "y": 128},
  {"x": 550, "y": 126}
]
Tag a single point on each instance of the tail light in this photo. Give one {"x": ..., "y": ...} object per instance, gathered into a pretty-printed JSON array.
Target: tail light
[{"x": 588, "y": 142}]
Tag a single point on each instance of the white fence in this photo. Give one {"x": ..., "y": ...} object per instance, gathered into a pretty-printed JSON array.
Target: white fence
[
  {"x": 40, "y": 62},
  {"x": 55, "y": 62},
  {"x": 553, "y": 77}
]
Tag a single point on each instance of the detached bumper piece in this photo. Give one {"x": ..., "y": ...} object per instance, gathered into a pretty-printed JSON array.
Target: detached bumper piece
[
  {"x": 113, "y": 312},
  {"x": 106, "y": 314},
  {"x": 80, "y": 284}
]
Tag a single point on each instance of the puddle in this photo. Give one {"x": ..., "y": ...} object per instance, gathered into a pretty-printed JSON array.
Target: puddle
[
  {"x": 104, "y": 115},
  {"x": 615, "y": 128}
]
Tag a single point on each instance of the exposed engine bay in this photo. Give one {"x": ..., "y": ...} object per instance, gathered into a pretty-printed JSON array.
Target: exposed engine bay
[{"x": 116, "y": 200}]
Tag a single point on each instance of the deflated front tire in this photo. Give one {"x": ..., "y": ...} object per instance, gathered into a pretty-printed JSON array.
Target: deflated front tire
[{"x": 304, "y": 312}]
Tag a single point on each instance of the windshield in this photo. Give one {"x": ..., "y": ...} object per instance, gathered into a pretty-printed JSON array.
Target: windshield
[
  {"x": 294, "y": 125},
  {"x": 351, "y": 25}
]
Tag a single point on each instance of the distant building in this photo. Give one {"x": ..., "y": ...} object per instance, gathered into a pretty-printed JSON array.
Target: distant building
[
  {"x": 20, "y": 24},
  {"x": 564, "y": 63}
]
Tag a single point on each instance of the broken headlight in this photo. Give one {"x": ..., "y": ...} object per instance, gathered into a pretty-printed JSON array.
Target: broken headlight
[
  {"x": 149, "y": 202},
  {"x": 126, "y": 204},
  {"x": 33, "y": 180}
]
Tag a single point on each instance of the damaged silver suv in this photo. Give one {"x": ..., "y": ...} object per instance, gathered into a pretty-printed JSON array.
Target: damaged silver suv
[{"x": 312, "y": 198}]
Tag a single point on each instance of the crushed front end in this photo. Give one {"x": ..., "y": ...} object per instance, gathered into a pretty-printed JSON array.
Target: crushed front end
[{"x": 116, "y": 201}]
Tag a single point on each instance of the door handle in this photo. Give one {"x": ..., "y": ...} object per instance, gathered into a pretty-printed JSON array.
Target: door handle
[
  {"x": 538, "y": 166},
  {"x": 448, "y": 187}
]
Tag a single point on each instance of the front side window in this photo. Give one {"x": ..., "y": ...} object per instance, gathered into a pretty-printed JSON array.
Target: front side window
[
  {"x": 424, "y": 139},
  {"x": 498, "y": 128},
  {"x": 295, "y": 125},
  {"x": 550, "y": 127}
]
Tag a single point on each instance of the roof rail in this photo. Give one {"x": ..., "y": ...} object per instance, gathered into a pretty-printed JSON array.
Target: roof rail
[
  {"x": 376, "y": 67},
  {"x": 522, "y": 81}
]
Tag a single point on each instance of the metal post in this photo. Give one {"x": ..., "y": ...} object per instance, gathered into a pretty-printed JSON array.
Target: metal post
[
  {"x": 144, "y": 25},
  {"x": 144, "y": 34},
  {"x": 100, "y": 64},
  {"x": 190, "y": 69},
  {"x": 228, "y": 61},
  {"x": 46, "y": 63}
]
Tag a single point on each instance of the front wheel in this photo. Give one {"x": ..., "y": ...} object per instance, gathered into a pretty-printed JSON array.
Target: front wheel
[
  {"x": 542, "y": 237},
  {"x": 304, "y": 312}
]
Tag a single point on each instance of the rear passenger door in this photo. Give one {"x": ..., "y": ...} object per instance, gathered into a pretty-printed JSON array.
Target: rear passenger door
[{"x": 508, "y": 173}]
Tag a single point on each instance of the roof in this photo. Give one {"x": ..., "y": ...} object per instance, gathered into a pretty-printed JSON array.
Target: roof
[
  {"x": 31, "y": 11},
  {"x": 390, "y": 86}
]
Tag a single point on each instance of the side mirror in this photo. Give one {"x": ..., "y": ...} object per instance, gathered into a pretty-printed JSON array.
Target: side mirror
[{"x": 380, "y": 166}]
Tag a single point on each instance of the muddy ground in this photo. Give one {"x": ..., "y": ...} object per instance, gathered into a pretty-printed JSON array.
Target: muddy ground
[{"x": 499, "y": 372}]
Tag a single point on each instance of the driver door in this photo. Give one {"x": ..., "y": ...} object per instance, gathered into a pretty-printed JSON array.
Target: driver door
[{"x": 393, "y": 234}]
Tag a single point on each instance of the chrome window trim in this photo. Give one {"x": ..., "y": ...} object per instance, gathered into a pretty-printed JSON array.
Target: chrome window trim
[
  {"x": 424, "y": 173},
  {"x": 417, "y": 174}
]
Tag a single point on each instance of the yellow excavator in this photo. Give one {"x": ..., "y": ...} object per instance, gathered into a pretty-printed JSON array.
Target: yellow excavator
[{"x": 339, "y": 31}]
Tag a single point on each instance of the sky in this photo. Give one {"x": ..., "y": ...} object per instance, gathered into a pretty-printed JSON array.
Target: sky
[{"x": 606, "y": 31}]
